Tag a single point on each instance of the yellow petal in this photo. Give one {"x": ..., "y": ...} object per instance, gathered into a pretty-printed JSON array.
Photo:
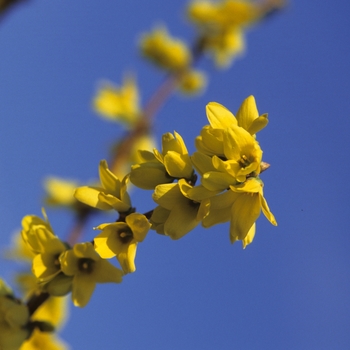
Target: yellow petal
[
  {"x": 83, "y": 287},
  {"x": 219, "y": 116},
  {"x": 244, "y": 212},
  {"x": 108, "y": 180},
  {"x": 90, "y": 196},
  {"x": 139, "y": 225}
]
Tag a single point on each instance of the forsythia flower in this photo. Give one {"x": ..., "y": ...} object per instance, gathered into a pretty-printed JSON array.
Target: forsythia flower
[
  {"x": 87, "y": 268},
  {"x": 43, "y": 340},
  {"x": 241, "y": 205},
  {"x": 163, "y": 167},
  {"x": 120, "y": 239},
  {"x": 178, "y": 213},
  {"x": 119, "y": 104},
  {"x": 228, "y": 161},
  {"x": 221, "y": 26},
  {"x": 39, "y": 237},
  {"x": 111, "y": 195},
  {"x": 14, "y": 316},
  {"x": 164, "y": 51},
  {"x": 192, "y": 82},
  {"x": 60, "y": 192}
]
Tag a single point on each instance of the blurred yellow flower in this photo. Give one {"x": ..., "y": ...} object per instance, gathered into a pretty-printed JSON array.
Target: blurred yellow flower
[
  {"x": 59, "y": 192},
  {"x": 14, "y": 316},
  {"x": 221, "y": 26},
  {"x": 120, "y": 104},
  {"x": 43, "y": 340},
  {"x": 192, "y": 82},
  {"x": 164, "y": 51}
]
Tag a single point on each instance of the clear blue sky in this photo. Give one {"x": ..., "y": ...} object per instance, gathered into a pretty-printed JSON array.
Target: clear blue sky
[{"x": 287, "y": 290}]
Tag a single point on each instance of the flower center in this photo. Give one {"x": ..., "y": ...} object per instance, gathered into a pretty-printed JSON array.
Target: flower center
[
  {"x": 244, "y": 161},
  {"x": 125, "y": 235},
  {"x": 86, "y": 265}
]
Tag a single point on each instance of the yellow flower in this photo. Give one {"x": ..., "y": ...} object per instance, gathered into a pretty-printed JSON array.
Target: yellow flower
[
  {"x": 39, "y": 237},
  {"x": 120, "y": 239},
  {"x": 192, "y": 82},
  {"x": 119, "y": 104},
  {"x": 42, "y": 340},
  {"x": 225, "y": 46},
  {"x": 60, "y": 192},
  {"x": 178, "y": 212},
  {"x": 164, "y": 51},
  {"x": 14, "y": 317},
  {"x": 241, "y": 205},
  {"x": 148, "y": 174},
  {"x": 87, "y": 268},
  {"x": 221, "y": 26},
  {"x": 208, "y": 15},
  {"x": 242, "y": 152},
  {"x": 210, "y": 141},
  {"x": 111, "y": 195},
  {"x": 175, "y": 156},
  {"x": 163, "y": 167},
  {"x": 233, "y": 149}
]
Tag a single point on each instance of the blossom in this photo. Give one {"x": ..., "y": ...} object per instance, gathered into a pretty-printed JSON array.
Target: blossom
[
  {"x": 43, "y": 340},
  {"x": 180, "y": 209},
  {"x": 175, "y": 156},
  {"x": 120, "y": 239},
  {"x": 47, "y": 247},
  {"x": 60, "y": 191},
  {"x": 14, "y": 317},
  {"x": 222, "y": 14},
  {"x": 87, "y": 268},
  {"x": 164, "y": 51},
  {"x": 192, "y": 82},
  {"x": 163, "y": 167},
  {"x": 112, "y": 194},
  {"x": 241, "y": 205},
  {"x": 242, "y": 152},
  {"x": 221, "y": 26},
  {"x": 120, "y": 104}
]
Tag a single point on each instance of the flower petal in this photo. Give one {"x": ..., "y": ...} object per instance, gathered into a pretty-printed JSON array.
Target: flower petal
[
  {"x": 83, "y": 287},
  {"x": 90, "y": 196},
  {"x": 219, "y": 116}
]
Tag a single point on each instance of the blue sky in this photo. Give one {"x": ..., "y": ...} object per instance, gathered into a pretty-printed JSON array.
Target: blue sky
[{"x": 287, "y": 290}]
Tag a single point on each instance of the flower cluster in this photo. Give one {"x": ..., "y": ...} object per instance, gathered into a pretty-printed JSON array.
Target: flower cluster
[
  {"x": 172, "y": 55},
  {"x": 119, "y": 238},
  {"x": 221, "y": 26},
  {"x": 14, "y": 320},
  {"x": 219, "y": 183},
  {"x": 60, "y": 269},
  {"x": 228, "y": 160}
]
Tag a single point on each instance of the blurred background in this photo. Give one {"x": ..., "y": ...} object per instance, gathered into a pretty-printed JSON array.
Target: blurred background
[{"x": 290, "y": 288}]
